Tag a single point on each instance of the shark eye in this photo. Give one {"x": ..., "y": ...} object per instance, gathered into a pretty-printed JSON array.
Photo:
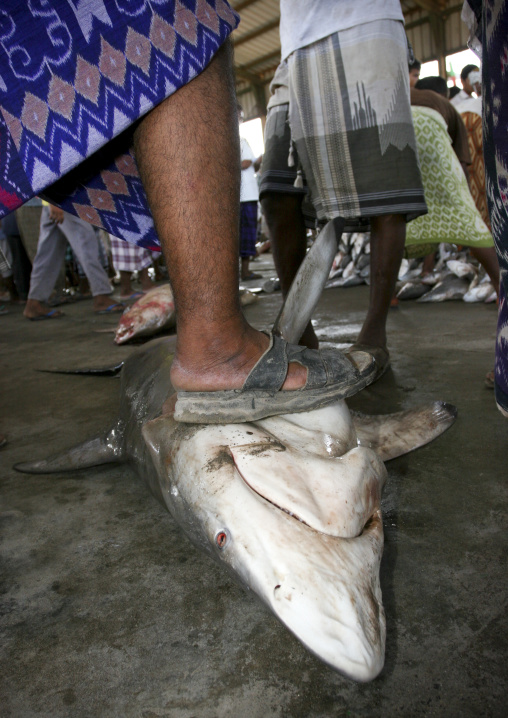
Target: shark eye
[{"x": 221, "y": 539}]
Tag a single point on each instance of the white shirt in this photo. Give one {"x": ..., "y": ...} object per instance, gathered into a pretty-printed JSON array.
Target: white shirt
[
  {"x": 249, "y": 191},
  {"x": 460, "y": 98},
  {"x": 473, "y": 104},
  {"x": 303, "y": 22}
]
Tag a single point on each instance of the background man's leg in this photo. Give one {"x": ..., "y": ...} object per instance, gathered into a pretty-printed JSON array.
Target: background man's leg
[
  {"x": 488, "y": 259},
  {"x": 387, "y": 239},
  {"x": 85, "y": 245},
  {"x": 46, "y": 267}
]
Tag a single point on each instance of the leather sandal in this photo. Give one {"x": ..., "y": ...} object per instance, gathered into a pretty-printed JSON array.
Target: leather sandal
[{"x": 330, "y": 376}]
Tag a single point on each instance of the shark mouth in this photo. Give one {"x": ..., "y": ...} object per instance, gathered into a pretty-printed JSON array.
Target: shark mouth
[{"x": 335, "y": 496}]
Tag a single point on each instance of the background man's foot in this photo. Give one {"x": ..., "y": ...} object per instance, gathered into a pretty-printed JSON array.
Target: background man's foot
[
  {"x": 37, "y": 310},
  {"x": 104, "y": 303}
]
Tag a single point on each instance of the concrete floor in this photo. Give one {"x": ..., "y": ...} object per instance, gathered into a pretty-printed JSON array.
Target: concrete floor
[{"x": 107, "y": 610}]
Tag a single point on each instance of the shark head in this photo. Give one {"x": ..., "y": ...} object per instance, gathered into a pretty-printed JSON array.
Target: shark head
[{"x": 292, "y": 508}]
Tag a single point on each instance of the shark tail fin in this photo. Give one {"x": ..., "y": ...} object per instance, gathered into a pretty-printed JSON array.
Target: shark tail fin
[{"x": 103, "y": 449}]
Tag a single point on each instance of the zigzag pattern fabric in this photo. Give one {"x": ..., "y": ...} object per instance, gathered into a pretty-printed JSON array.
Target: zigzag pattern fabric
[{"x": 74, "y": 77}]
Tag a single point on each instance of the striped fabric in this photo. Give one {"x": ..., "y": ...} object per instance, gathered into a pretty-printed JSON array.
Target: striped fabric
[
  {"x": 351, "y": 122},
  {"x": 74, "y": 77}
]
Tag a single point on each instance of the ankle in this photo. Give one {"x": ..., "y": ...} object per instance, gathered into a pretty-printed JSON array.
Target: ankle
[{"x": 217, "y": 363}]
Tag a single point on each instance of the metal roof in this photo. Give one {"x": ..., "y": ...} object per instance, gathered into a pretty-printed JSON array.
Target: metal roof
[{"x": 433, "y": 27}]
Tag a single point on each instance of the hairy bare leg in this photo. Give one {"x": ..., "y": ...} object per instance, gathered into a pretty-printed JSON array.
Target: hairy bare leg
[
  {"x": 188, "y": 155},
  {"x": 286, "y": 228},
  {"x": 388, "y": 235}
]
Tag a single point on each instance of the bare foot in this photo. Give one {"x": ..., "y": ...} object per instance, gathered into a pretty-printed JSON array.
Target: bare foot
[
  {"x": 103, "y": 302},
  {"x": 35, "y": 309},
  {"x": 226, "y": 365}
]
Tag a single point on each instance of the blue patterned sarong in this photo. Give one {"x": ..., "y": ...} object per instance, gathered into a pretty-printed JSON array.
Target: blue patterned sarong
[
  {"x": 488, "y": 23},
  {"x": 74, "y": 77}
]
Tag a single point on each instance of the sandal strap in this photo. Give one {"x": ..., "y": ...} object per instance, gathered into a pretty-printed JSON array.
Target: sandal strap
[
  {"x": 270, "y": 372},
  {"x": 318, "y": 373}
]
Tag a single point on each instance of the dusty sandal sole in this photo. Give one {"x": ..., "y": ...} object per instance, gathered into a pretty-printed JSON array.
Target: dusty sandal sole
[{"x": 239, "y": 406}]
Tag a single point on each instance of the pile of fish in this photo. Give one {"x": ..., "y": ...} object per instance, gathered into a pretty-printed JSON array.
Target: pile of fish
[
  {"x": 455, "y": 276},
  {"x": 351, "y": 265},
  {"x": 154, "y": 312}
]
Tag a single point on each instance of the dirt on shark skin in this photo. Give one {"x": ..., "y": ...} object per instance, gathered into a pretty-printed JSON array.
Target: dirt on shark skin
[{"x": 289, "y": 505}]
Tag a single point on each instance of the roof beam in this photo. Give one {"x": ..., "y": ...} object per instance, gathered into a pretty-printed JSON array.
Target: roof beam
[
  {"x": 434, "y": 6},
  {"x": 260, "y": 60},
  {"x": 242, "y": 5},
  {"x": 247, "y": 76},
  {"x": 257, "y": 31}
]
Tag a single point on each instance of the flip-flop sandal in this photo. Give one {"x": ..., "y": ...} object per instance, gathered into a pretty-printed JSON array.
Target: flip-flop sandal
[
  {"x": 330, "y": 377},
  {"x": 53, "y": 314},
  {"x": 134, "y": 295},
  {"x": 115, "y": 308},
  {"x": 380, "y": 354}
]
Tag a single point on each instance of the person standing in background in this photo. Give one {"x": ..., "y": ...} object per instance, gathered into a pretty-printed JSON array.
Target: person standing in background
[
  {"x": 470, "y": 77},
  {"x": 249, "y": 196}
]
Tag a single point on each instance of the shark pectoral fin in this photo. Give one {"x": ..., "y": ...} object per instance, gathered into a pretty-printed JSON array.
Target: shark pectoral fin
[
  {"x": 104, "y": 449},
  {"x": 110, "y": 370},
  {"x": 336, "y": 496},
  {"x": 393, "y": 435}
]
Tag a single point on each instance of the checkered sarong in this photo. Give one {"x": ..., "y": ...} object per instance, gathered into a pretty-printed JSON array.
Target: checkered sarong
[
  {"x": 350, "y": 120},
  {"x": 130, "y": 258}
]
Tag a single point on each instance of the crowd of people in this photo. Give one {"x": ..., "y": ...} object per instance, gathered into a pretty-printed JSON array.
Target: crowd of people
[{"x": 351, "y": 133}]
